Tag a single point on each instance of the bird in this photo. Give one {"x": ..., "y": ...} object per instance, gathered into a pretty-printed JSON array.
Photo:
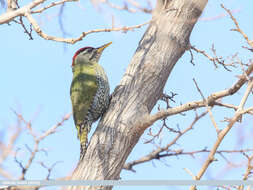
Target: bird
[{"x": 89, "y": 91}]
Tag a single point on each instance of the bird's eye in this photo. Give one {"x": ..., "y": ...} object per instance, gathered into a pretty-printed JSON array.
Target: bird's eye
[{"x": 89, "y": 50}]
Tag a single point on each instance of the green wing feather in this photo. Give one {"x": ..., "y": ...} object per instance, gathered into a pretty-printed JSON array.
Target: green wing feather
[{"x": 82, "y": 92}]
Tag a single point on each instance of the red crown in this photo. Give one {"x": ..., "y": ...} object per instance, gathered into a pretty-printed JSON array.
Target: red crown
[{"x": 77, "y": 52}]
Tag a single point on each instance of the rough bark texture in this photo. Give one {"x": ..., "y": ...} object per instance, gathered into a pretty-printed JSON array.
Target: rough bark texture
[{"x": 164, "y": 42}]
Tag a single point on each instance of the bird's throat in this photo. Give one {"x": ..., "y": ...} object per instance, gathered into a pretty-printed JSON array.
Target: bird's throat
[{"x": 88, "y": 68}]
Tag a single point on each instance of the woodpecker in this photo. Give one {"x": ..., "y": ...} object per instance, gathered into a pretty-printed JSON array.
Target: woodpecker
[{"x": 89, "y": 91}]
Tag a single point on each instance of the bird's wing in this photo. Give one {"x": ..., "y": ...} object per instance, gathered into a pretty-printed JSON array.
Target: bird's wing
[{"x": 82, "y": 92}]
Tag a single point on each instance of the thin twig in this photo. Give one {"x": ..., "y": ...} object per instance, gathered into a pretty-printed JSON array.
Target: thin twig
[
  {"x": 49, "y": 169},
  {"x": 238, "y": 29},
  {"x": 37, "y": 139},
  {"x": 146, "y": 122},
  {"x": 189, "y": 172},
  {"x": 84, "y": 34},
  {"x": 215, "y": 60},
  {"x": 51, "y": 5},
  {"x": 208, "y": 108},
  {"x": 224, "y": 132},
  {"x": 248, "y": 171},
  {"x": 156, "y": 153}
]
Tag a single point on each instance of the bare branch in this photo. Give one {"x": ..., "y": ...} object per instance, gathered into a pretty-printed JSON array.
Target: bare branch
[
  {"x": 250, "y": 49},
  {"x": 6, "y": 150},
  {"x": 149, "y": 120},
  {"x": 49, "y": 169},
  {"x": 5, "y": 173},
  {"x": 167, "y": 98},
  {"x": 223, "y": 133},
  {"x": 9, "y": 16},
  {"x": 154, "y": 135},
  {"x": 156, "y": 153},
  {"x": 230, "y": 106},
  {"x": 238, "y": 29},
  {"x": 208, "y": 108},
  {"x": 27, "y": 12},
  {"x": 248, "y": 170},
  {"x": 11, "y": 5},
  {"x": 180, "y": 152},
  {"x": 20, "y": 165},
  {"x": 51, "y": 5},
  {"x": 37, "y": 140},
  {"x": 189, "y": 172},
  {"x": 52, "y": 130},
  {"x": 26, "y": 31},
  {"x": 84, "y": 34},
  {"x": 215, "y": 60}
]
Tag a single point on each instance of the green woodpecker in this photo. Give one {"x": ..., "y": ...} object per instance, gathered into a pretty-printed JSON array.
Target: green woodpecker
[{"x": 89, "y": 91}]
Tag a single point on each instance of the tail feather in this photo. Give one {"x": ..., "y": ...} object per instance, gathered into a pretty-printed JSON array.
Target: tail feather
[
  {"x": 83, "y": 148},
  {"x": 83, "y": 131}
]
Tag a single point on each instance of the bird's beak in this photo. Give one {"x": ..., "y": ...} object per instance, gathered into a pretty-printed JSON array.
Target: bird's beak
[{"x": 101, "y": 49}]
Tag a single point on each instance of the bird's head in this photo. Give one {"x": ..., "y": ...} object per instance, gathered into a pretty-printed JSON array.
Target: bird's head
[{"x": 88, "y": 55}]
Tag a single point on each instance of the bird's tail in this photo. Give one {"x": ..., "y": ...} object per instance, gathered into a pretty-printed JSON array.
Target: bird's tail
[{"x": 83, "y": 131}]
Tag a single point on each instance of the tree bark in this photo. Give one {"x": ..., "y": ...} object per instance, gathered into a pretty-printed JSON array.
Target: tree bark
[{"x": 164, "y": 42}]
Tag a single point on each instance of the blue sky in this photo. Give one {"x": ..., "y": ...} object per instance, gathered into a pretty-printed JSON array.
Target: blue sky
[{"x": 36, "y": 76}]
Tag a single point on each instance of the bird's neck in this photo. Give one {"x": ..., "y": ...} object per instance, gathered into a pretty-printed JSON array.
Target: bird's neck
[{"x": 85, "y": 68}]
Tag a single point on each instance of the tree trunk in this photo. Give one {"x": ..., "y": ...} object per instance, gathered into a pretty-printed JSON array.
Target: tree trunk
[{"x": 164, "y": 42}]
